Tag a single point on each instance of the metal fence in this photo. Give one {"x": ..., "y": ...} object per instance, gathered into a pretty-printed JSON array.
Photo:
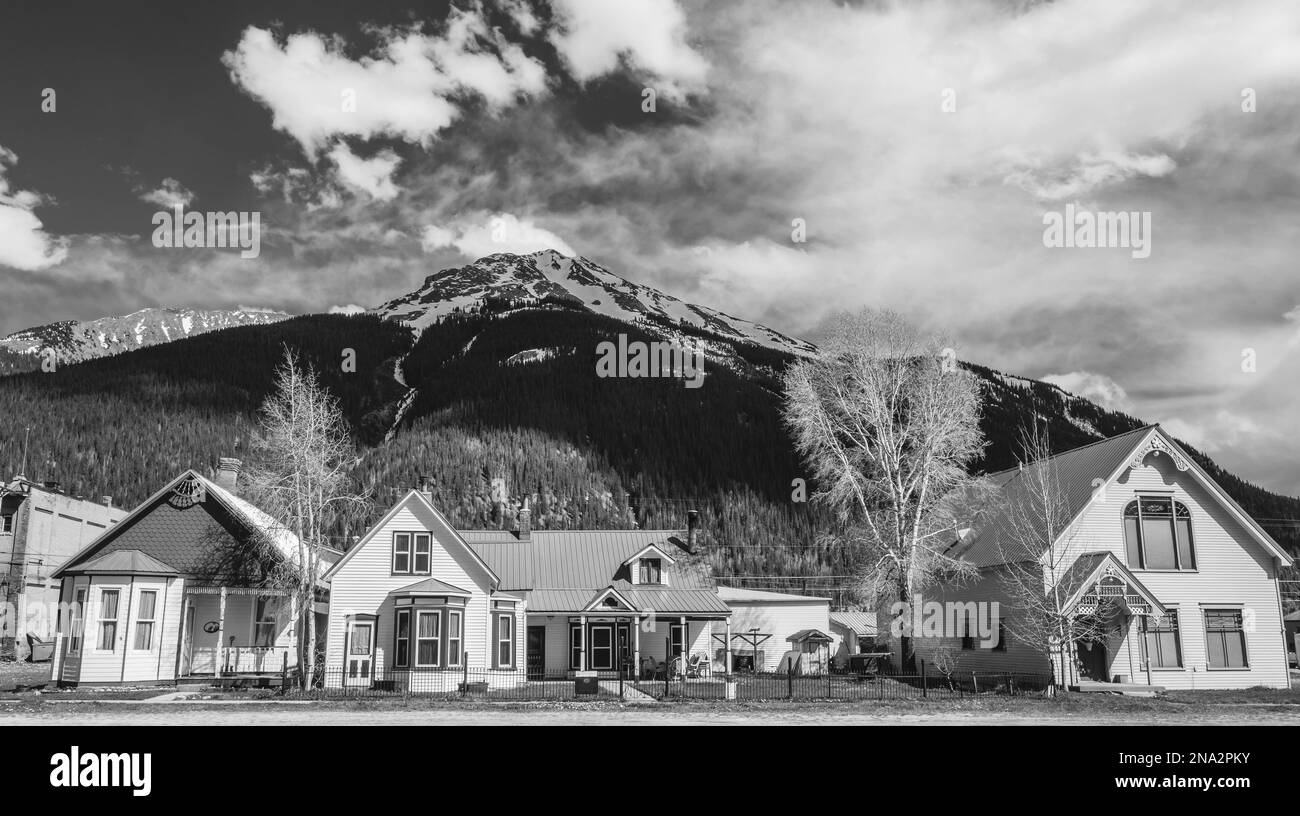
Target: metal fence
[{"x": 495, "y": 685}]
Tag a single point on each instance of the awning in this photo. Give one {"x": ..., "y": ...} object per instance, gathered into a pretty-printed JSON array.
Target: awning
[
  {"x": 1098, "y": 580},
  {"x": 431, "y": 586},
  {"x": 123, "y": 562}
]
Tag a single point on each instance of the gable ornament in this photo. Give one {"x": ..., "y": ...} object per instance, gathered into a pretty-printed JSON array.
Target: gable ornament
[{"x": 1156, "y": 446}]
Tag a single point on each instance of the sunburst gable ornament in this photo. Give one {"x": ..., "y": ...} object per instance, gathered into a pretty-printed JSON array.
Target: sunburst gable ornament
[{"x": 187, "y": 493}]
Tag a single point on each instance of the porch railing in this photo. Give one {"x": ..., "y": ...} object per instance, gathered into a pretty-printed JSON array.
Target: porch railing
[{"x": 242, "y": 659}]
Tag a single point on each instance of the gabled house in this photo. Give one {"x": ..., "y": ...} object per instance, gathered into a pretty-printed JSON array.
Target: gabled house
[
  {"x": 1178, "y": 583},
  {"x": 415, "y": 598},
  {"x": 180, "y": 588}
]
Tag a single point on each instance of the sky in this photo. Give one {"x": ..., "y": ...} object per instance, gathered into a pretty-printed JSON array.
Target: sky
[{"x": 799, "y": 158}]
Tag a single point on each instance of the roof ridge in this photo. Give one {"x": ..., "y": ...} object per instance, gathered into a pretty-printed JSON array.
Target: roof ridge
[{"x": 1073, "y": 450}]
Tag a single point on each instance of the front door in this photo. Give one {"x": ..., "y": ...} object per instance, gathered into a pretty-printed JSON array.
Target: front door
[
  {"x": 187, "y": 644},
  {"x": 361, "y": 653},
  {"x": 536, "y": 652},
  {"x": 1093, "y": 661},
  {"x": 602, "y": 647}
]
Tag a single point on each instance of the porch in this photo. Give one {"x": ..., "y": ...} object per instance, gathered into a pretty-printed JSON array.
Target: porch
[
  {"x": 631, "y": 645},
  {"x": 235, "y": 632}
]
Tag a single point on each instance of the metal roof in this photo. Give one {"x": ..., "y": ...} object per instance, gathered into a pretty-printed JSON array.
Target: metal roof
[
  {"x": 1075, "y": 472},
  {"x": 125, "y": 562},
  {"x": 804, "y": 635},
  {"x": 734, "y": 594},
  {"x": 574, "y": 559},
  {"x": 859, "y": 623}
]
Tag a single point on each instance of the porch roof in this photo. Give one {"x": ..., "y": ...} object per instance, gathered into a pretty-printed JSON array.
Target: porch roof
[
  {"x": 124, "y": 562},
  {"x": 431, "y": 586},
  {"x": 1087, "y": 572},
  {"x": 659, "y": 601},
  {"x": 810, "y": 636}
]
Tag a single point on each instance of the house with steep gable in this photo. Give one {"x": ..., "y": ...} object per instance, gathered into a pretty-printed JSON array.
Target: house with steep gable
[{"x": 1178, "y": 583}]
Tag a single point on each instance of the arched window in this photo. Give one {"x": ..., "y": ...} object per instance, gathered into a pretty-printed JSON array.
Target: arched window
[{"x": 1158, "y": 534}]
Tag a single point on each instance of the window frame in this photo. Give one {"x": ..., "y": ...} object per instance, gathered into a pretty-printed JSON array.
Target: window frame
[
  {"x": 1175, "y": 530},
  {"x": 577, "y": 646},
  {"x": 673, "y": 629},
  {"x": 78, "y": 620},
  {"x": 646, "y": 565},
  {"x": 400, "y": 662},
  {"x": 7, "y": 523},
  {"x": 369, "y": 626},
  {"x": 1147, "y": 633},
  {"x": 102, "y": 621},
  {"x": 268, "y": 603},
  {"x": 408, "y": 554},
  {"x": 455, "y": 634},
  {"x": 501, "y": 622},
  {"x": 415, "y": 553},
  {"x": 437, "y": 639},
  {"x": 140, "y": 621},
  {"x": 1237, "y": 611}
]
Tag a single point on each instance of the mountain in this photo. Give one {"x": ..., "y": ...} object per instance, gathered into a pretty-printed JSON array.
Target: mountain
[
  {"x": 76, "y": 341},
  {"x": 493, "y": 394},
  {"x": 521, "y": 281}
]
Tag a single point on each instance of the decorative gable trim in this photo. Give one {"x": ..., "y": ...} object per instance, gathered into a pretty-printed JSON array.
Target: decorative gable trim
[
  {"x": 653, "y": 551},
  {"x": 596, "y": 603},
  {"x": 1155, "y": 444}
]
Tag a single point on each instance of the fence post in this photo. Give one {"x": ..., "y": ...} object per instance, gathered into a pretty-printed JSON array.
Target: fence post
[
  {"x": 789, "y": 679},
  {"x": 464, "y": 672},
  {"x": 1010, "y": 691},
  {"x": 925, "y": 689},
  {"x": 284, "y": 672},
  {"x": 975, "y": 681},
  {"x": 621, "y": 666}
]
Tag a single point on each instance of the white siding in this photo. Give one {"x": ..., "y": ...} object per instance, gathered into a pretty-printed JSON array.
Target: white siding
[
  {"x": 363, "y": 584},
  {"x": 778, "y": 619}
]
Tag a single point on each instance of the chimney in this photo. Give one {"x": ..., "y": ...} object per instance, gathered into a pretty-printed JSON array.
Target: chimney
[
  {"x": 525, "y": 522},
  {"x": 107, "y": 501},
  {"x": 228, "y": 474},
  {"x": 692, "y": 523},
  {"x": 425, "y": 485}
]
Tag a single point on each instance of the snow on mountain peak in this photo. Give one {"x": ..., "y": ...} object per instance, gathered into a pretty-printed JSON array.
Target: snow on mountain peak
[{"x": 548, "y": 273}]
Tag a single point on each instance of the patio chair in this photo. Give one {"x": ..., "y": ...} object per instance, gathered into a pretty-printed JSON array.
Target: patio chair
[
  {"x": 41, "y": 650},
  {"x": 698, "y": 666}
]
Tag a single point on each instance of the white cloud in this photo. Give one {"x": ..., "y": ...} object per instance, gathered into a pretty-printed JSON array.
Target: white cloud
[
  {"x": 315, "y": 92},
  {"x": 650, "y": 34},
  {"x": 349, "y": 309},
  {"x": 261, "y": 309},
  {"x": 169, "y": 194},
  {"x": 373, "y": 176},
  {"x": 23, "y": 243},
  {"x": 1096, "y": 387},
  {"x": 492, "y": 234},
  {"x": 1222, "y": 430}
]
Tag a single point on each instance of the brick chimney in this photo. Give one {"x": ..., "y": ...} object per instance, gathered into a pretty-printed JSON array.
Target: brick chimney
[
  {"x": 525, "y": 522},
  {"x": 228, "y": 474},
  {"x": 425, "y": 485},
  {"x": 107, "y": 501},
  {"x": 692, "y": 524}
]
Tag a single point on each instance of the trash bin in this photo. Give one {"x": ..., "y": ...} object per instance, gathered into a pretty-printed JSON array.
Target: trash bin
[{"x": 585, "y": 682}]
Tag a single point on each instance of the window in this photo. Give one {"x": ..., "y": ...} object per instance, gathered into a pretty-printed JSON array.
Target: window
[
  {"x": 402, "y": 649},
  {"x": 401, "y": 553},
  {"x": 1161, "y": 648},
  {"x": 423, "y": 546},
  {"x": 360, "y": 644},
  {"x": 1001, "y": 645},
  {"x": 678, "y": 635},
  {"x": 77, "y": 621},
  {"x": 264, "y": 622},
  {"x": 7, "y": 523},
  {"x": 144, "y": 618},
  {"x": 503, "y": 627},
  {"x": 1158, "y": 534},
  {"x": 1225, "y": 639},
  {"x": 426, "y": 638},
  {"x": 651, "y": 571},
  {"x": 967, "y": 639},
  {"x": 108, "y": 619},
  {"x": 453, "y": 638}
]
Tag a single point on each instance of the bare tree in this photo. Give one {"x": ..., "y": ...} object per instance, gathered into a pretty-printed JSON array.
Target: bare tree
[
  {"x": 888, "y": 423},
  {"x": 1036, "y": 545},
  {"x": 303, "y": 454}
]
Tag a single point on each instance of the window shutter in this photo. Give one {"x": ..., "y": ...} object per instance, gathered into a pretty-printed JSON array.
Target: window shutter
[{"x": 514, "y": 640}]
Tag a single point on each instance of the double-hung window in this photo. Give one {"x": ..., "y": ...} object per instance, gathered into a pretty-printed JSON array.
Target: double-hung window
[
  {"x": 1225, "y": 639},
  {"x": 503, "y": 638},
  {"x": 402, "y": 648},
  {"x": 108, "y": 601},
  {"x": 412, "y": 553},
  {"x": 651, "y": 571},
  {"x": 453, "y": 637},
  {"x": 145, "y": 614},
  {"x": 264, "y": 622},
  {"x": 1161, "y": 648},
  {"x": 1158, "y": 534},
  {"x": 427, "y": 627}
]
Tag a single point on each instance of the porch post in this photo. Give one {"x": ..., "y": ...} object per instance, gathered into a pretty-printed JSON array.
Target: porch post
[
  {"x": 686, "y": 640},
  {"x": 582, "y": 639},
  {"x": 636, "y": 646},
  {"x": 727, "y": 666},
  {"x": 221, "y": 630}
]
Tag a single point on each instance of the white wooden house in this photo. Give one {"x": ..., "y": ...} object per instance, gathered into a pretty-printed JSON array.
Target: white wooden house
[
  {"x": 1184, "y": 582},
  {"x": 177, "y": 589}
]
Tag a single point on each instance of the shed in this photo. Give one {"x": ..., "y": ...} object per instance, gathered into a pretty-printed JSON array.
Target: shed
[{"x": 856, "y": 632}]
